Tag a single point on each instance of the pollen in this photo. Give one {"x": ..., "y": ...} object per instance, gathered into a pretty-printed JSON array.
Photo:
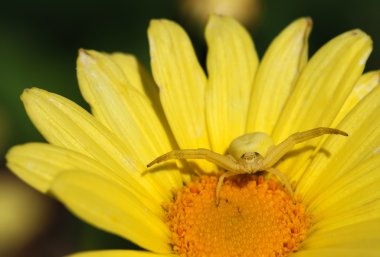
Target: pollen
[{"x": 255, "y": 217}]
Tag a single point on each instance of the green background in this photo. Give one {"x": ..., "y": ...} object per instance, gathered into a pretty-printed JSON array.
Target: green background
[{"x": 39, "y": 41}]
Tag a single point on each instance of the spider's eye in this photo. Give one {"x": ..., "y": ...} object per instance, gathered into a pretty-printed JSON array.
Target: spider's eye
[
  {"x": 258, "y": 143},
  {"x": 251, "y": 156},
  {"x": 256, "y": 154}
]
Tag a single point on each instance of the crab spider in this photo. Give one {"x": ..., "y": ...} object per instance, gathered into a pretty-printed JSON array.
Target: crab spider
[{"x": 248, "y": 154}]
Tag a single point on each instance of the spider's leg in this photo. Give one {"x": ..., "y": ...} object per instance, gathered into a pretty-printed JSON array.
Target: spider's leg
[
  {"x": 283, "y": 179},
  {"x": 220, "y": 160},
  {"x": 277, "y": 151},
  {"x": 221, "y": 180}
]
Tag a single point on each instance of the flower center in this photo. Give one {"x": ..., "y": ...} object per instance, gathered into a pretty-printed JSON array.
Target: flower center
[{"x": 255, "y": 217}]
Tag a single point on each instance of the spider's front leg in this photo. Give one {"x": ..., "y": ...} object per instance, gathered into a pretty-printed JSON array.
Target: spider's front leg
[
  {"x": 222, "y": 161},
  {"x": 283, "y": 179},
  {"x": 226, "y": 162},
  {"x": 221, "y": 180},
  {"x": 276, "y": 152}
]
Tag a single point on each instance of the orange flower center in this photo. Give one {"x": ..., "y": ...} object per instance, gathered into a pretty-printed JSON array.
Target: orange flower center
[{"x": 255, "y": 217}]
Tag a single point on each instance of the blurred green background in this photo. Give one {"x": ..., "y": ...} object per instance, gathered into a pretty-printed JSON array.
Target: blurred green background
[{"x": 39, "y": 41}]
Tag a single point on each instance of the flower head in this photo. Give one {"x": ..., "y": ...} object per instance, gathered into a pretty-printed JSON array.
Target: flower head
[{"x": 96, "y": 163}]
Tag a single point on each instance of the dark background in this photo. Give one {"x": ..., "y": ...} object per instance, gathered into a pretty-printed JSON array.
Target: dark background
[{"x": 39, "y": 41}]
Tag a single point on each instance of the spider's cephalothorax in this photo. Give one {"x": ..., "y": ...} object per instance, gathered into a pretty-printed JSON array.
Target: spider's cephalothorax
[{"x": 249, "y": 154}]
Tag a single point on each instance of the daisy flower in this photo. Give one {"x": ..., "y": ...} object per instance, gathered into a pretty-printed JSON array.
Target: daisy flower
[{"x": 95, "y": 163}]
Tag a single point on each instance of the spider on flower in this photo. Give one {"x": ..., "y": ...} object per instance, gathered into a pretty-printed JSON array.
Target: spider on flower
[{"x": 249, "y": 154}]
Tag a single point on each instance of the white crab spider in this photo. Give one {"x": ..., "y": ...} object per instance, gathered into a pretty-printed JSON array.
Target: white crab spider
[{"x": 248, "y": 154}]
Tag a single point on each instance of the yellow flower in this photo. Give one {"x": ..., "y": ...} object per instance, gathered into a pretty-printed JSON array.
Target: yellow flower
[{"x": 96, "y": 163}]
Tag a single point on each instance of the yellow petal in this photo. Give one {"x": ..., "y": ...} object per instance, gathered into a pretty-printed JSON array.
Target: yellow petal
[
  {"x": 65, "y": 124},
  {"x": 231, "y": 64},
  {"x": 39, "y": 164},
  {"x": 119, "y": 253},
  {"x": 277, "y": 74},
  {"x": 142, "y": 80},
  {"x": 127, "y": 112},
  {"x": 320, "y": 91},
  {"x": 334, "y": 252},
  {"x": 363, "y": 87},
  {"x": 130, "y": 67},
  {"x": 352, "y": 198},
  {"x": 364, "y": 213},
  {"x": 109, "y": 207},
  {"x": 344, "y": 153},
  {"x": 325, "y": 83},
  {"x": 346, "y": 193},
  {"x": 181, "y": 82},
  {"x": 117, "y": 104},
  {"x": 363, "y": 235}
]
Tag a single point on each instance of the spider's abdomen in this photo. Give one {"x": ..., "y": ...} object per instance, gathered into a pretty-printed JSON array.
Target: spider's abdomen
[{"x": 258, "y": 142}]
